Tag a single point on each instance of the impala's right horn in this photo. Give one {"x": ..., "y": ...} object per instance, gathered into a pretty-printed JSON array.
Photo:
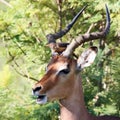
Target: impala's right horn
[{"x": 88, "y": 36}]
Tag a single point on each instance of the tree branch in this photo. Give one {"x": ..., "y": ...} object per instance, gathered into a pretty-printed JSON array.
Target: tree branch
[{"x": 22, "y": 74}]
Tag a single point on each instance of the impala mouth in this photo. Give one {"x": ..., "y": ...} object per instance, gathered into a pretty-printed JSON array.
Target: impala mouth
[{"x": 41, "y": 99}]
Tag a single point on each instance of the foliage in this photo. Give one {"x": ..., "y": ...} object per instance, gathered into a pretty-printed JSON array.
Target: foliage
[
  {"x": 23, "y": 30},
  {"x": 17, "y": 103}
]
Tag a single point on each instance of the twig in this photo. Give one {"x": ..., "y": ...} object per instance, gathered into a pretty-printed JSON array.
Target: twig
[
  {"x": 20, "y": 48},
  {"x": 6, "y": 3},
  {"x": 88, "y": 31},
  {"x": 24, "y": 75},
  {"x": 13, "y": 59}
]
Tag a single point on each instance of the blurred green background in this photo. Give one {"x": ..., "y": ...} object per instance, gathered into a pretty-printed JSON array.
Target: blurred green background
[{"x": 24, "y": 56}]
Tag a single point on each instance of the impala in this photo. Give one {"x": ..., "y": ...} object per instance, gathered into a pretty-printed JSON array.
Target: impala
[{"x": 62, "y": 80}]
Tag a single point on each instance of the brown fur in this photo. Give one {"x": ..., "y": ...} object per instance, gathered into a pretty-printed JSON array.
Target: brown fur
[{"x": 67, "y": 88}]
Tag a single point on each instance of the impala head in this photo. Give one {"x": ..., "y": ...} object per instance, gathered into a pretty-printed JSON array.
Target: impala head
[{"x": 63, "y": 69}]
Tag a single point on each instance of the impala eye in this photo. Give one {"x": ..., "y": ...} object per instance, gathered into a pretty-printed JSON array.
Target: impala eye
[{"x": 65, "y": 71}]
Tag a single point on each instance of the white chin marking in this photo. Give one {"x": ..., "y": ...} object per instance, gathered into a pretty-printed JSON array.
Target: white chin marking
[{"x": 42, "y": 101}]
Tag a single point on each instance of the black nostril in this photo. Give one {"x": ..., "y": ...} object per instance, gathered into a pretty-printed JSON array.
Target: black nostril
[{"x": 37, "y": 89}]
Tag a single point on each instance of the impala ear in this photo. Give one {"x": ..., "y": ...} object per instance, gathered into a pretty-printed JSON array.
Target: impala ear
[{"x": 87, "y": 58}]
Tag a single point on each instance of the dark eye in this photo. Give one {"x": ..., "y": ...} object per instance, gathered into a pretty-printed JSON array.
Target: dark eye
[{"x": 65, "y": 71}]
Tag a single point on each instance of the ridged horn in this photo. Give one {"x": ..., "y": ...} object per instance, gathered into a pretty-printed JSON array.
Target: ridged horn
[{"x": 88, "y": 36}]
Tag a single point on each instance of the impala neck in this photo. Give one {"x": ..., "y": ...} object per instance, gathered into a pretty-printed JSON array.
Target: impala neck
[{"x": 73, "y": 107}]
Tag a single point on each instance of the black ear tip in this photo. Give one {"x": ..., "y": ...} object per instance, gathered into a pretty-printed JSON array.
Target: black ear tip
[{"x": 94, "y": 48}]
